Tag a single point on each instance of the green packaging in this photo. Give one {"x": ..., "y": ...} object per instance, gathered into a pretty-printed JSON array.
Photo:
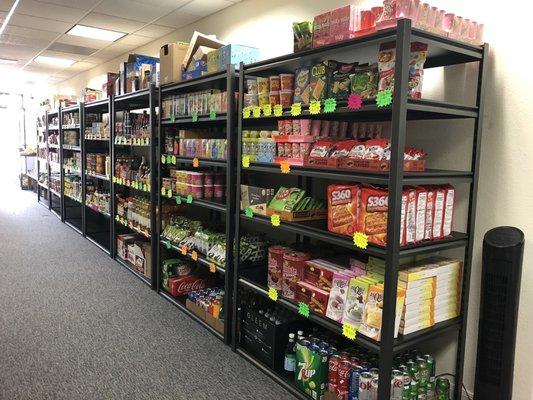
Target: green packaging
[
  {"x": 303, "y": 35},
  {"x": 311, "y": 373},
  {"x": 364, "y": 81},
  {"x": 286, "y": 199}
]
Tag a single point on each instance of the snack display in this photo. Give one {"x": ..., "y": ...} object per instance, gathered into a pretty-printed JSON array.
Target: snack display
[
  {"x": 199, "y": 184},
  {"x": 134, "y": 211},
  {"x": 200, "y": 103},
  {"x": 72, "y": 187},
  {"x": 97, "y": 199},
  {"x": 256, "y": 198},
  {"x": 72, "y": 164},
  {"x": 134, "y": 129},
  {"x": 97, "y": 130},
  {"x": 293, "y": 204},
  {"x": 364, "y": 209},
  {"x": 136, "y": 250},
  {"x": 132, "y": 168},
  {"x": 98, "y": 163}
]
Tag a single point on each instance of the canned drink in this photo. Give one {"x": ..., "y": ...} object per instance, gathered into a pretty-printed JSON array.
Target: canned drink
[
  {"x": 374, "y": 372},
  {"x": 355, "y": 361},
  {"x": 423, "y": 371},
  {"x": 396, "y": 385},
  {"x": 375, "y": 386},
  {"x": 344, "y": 355},
  {"x": 344, "y": 376},
  {"x": 313, "y": 347},
  {"x": 422, "y": 393},
  {"x": 353, "y": 387},
  {"x": 323, "y": 353},
  {"x": 431, "y": 367},
  {"x": 406, "y": 381},
  {"x": 323, "y": 345},
  {"x": 365, "y": 386},
  {"x": 414, "y": 389},
  {"x": 332, "y": 350},
  {"x": 443, "y": 389},
  {"x": 366, "y": 366},
  {"x": 304, "y": 343},
  {"x": 430, "y": 392},
  {"x": 333, "y": 369}
]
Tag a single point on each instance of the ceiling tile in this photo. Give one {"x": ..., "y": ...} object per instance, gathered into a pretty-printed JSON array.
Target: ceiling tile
[
  {"x": 132, "y": 10},
  {"x": 177, "y": 19},
  {"x": 44, "y": 24},
  {"x": 170, "y": 4},
  {"x": 30, "y": 33},
  {"x": 100, "y": 57},
  {"x": 51, "y": 11},
  {"x": 82, "y": 41},
  {"x": 154, "y": 31},
  {"x": 205, "y": 7},
  {"x": 113, "y": 23},
  {"x": 59, "y": 54},
  {"x": 81, "y": 4},
  {"x": 17, "y": 40},
  {"x": 81, "y": 66},
  {"x": 135, "y": 39},
  {"x": 17, "y": 52},
  {"x": 5, "y": 5}
]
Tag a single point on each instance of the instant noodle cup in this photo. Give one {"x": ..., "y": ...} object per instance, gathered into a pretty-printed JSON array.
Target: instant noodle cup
[
  {"x": 195, "y": 178},
  {"x": 273, "y": 98},
  {"x": 208, "y": 191},
  {"x": 197, "y": 191},
  {"x": 275, "y": 83},
  {"x": 208, "y": 178},
  {"x": 286, "y": 97},
  {"x": 287, "y": 81},
  {"x": 219, "y": 191}
]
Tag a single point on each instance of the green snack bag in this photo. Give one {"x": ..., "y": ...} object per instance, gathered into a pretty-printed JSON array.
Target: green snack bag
[
  {"x": 302, "y": 204},
  {"x": 286, "y": 199},
  {"x": 311, "y": 371},
  {"x": 364, "y": 81}
]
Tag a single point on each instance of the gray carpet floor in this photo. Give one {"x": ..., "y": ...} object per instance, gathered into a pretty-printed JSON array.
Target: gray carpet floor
[{"x": 74, "y": 324}]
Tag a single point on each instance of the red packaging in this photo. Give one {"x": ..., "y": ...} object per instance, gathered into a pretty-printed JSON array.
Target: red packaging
[
  {"x": 320, "y": 273},
  {"x": 275, "y": 266},
  {"x": 430, "y": 203},
  {"x": 410, "y": 217},
  {"x": 343, "y": 382},
  {"x": 316, "y": 298},
  {"x": 420, "y": 219},
  {"x": 322, "y": 148},
  {"x": 449, "y": 200},
  {"x": 377, "y": 149},
  {"x": 343, "y": 23},
  {"x": 293, "y": 271},
  {"x": 438, "y": 212},
  {"x": 402, "y": 220},
  {"x": 343, "y": 206},
  {"x": 321, "y": 29},
  {"x": 372, "y": 219},
  {"x": 343, "y": 148},
  {"x": 181, "y": 285},
  {"x": 333, "y": 370}
]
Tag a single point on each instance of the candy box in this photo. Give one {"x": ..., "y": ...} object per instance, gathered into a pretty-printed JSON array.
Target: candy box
[
  {"x": 275, "y": 266},
  {"x": 355, "y": 300},
  {"x": 320, "y": 273},
  {"x": 343, "y": 23},
  {"x": 449, "y": 201},
  {"x": 338, "y": 294},
  {"x": 302, "y": 85},
  {"x": 293, "y": 271},
  {"x": 316, "y": 298},
  {"x": 410, "y": 217},
  {"x": 321, "y": 29},
  {"x": 343, "y": 208},
  {"x": 235, "y": 53},
  {"x": 181, "y": 285}
]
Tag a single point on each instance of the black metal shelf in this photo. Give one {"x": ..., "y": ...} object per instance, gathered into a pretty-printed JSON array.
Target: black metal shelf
[
  {"x": 53, "y": 127},
  {"x": 97, "y": 176},
  {"x": 126, "y": 264},
  {"x": 89, "y": 206},
  {"x": 208, "y": 162},
  {"x": 98, "y": 106},
  {"x": 55, "y": 193},
  {"x": 74, "y": 227},
  {"x": 315, "y": 230},
  {"x": 203, "y": 80},
  {"x": 181, "y": 120},
  {"x": 70, "y": 127},
  {"x": 73, "y": 198},
  {"x": 188, "y": 312},
  {"x": 147, "y": 192},
  {"x": 74, "y": 107},
  {"x": 133, "y": 228},
  {"x": 53, "y": 146},
  {"x": 430, "y": 176},
  {"x": 43, "y": 185},
  {"x": 201, "y": 259},
  {"x": 209, "y": 204}
]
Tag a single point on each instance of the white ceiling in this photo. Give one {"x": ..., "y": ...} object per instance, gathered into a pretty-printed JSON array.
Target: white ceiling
[{"x": 38, "y": 24}]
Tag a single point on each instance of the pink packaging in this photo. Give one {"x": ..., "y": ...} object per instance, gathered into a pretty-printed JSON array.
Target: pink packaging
[
  {"x": 321, "y": 30},
  {"x": 449, "y": 200},
  {"x": 296, "y": 150},
  {"x": 421, "y": 200},
  {"x": 208, "y": 191},
  {"x": 208, "y": 178},
  {"x": 285, "y": 98},
  {"x": 219, "y": 191},
  {"x": 343, "y": 23},
  {"x": 343, "y": 129},
  {"x": 296, "y": 127},
  {"x": 402, "y": 219},
  {"x": 288, "y": 127},
  {"x": 281, "y": 149},
  {"x": 315, "y": 127},
  {"x": 305, "y": 127},
  {"x": 287, "y": 149},
  {"x": 324, "y": 128},
  {"x": 195, "y": 178},
  {"x": 305, "y": 148},
  {"x": 337, "y": 295},
  {"x": 293, "y": 266},
  {"x": 281, "y": 127},
  {"x": 197, "y": 191}
]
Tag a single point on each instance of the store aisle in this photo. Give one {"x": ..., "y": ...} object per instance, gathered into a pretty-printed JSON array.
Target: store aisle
[{"x": 82, "y": 327}]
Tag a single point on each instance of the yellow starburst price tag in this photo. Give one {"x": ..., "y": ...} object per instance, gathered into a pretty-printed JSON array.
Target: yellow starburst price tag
[
  {"x": 195, "y": 162},
  {"x": 163, "y": 159},
  {"x": 314, "y": 107},
  {"x": 275, "y": 220},
  {"x": 194, "y": 255},
  {"x": 246, "y": 112},
  {"x": 169, "y": 193},
  {"x": 173, "y": 160},
  {"x": 278, "y": 110},
  {"x": 267, "y": 110},
  {"x": 256, "y": 111},
  {"x": 285, "y": 167},
  {"x": 272, "y": 294},
  {"x": 246, "y": 161},
  {"x": 184, "y": 250},
  {"x": 360, "y": 240},
  {"x": 349, "y": 331},
  {"x": 296, "y": 109},
  {"x": 212, "y": 268}
]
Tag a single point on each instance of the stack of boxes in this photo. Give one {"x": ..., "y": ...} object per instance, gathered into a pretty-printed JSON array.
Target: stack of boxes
[
  {"x": 137, "y": 250},
  {"x": 432, "y": 293}
]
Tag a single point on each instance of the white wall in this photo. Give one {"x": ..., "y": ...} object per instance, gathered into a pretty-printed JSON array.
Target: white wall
[{"x": 506, "y": 167}]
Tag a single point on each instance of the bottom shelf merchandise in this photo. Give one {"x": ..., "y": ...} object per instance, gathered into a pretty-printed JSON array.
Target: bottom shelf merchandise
[
  {"x": 134, "y": 212},
  {"x": 97, "y": 199},
  {"x": 136, "y": 250},
  {"x": 72, "y": 187},
  {"x": 328, "y": 366}
]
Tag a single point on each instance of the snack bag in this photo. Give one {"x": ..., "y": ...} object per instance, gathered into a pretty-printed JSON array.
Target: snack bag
[
  {"x": 343, "y": 148},
  {"x": 302, "y": 86},
  {"x": 372, "y": 219},
  {"x": 321, "y": 148},
  {"x": 377, "y": 149},
  {"x": 319, "y": 80},
  {"x": 364, "y": 81},
  {"x": 386, "y": 61},
  {"x": 339, "y": 79},
  {"x": 357, "y": 151},
  {"x": 343, "y": 208}
]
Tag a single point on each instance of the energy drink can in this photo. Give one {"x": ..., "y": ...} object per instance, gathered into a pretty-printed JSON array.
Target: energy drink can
[{"x": 375, "y": 386}]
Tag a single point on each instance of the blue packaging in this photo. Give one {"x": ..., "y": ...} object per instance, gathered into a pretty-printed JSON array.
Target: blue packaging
[{"x": 235, "y": 53}]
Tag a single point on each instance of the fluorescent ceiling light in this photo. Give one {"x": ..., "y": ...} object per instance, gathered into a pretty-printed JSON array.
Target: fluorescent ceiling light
[
  {"x": 9, "y": 15},
  {"x": 7, "y": 61},
  {"x": 61, "y": 62},
  {"x": 95, "y": 33}
]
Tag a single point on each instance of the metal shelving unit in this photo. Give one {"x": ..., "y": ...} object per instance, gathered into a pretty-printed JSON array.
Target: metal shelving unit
[
  {"x": 97, "y": 228},
  {"x": 72, "y": 207},
  {"x": 139, "y": 100},
  {"x": 202, "y": 209},
  {"x": 54, "y": 168},
  {"x": 442, "y": 52},
  {"x": 41, "y": 163}
]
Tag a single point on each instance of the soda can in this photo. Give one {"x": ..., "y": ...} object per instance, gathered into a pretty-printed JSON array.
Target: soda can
[
  {"x": 332, "y": 387},
  {"x": 366, "y": 366},
  {"x": 323, "y": 353},
  {"x": 333, "y": 369},
  {"x": 406, "y": 380},
  {"x": 374, "y": 372},
  {"x": 353, "y": 387},
  {"x": 414, "y": 389},
  {"x": 403, "y": 368},
  {"x": 365, "y": 386},
  {"x": 313, "y": 347},
  {"x": 344, "y": 355},
  {"x": 355, "y": 361},
  {"x": 431, "y": 367},
  {"x": 375, "y": 386},
  {"x": 344, "y": 376},
  {"x": 304, "y": 343},
  {"x": 414, "y": 372},
  {"x": 443, "y": 389},
  {"x": 332, "y": 350},
  {"x": 396, "y": 385},
  {"x": 323, "y": 345},
  {"x": 314, "y": 340}
]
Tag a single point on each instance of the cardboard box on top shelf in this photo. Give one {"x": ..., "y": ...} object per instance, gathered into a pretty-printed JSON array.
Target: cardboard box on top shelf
[
  {"x": 171, "y": 57},
  {"x": 131, "y": 71},
  {"x": 90, "y": 95},
  {"x": 235, "y": 53},
  {"x": 199, "y": 39},
  {"x": 108, "y": 88}
]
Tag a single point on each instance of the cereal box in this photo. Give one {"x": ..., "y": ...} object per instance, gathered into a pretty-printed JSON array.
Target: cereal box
[
  {"x": 372, "y": 219},
  {"x": 449, "y": 200},
  {"x": 293, "y": 271},
  {"x": 420, "y": 219},
  {"x": 342, "y": 208}
]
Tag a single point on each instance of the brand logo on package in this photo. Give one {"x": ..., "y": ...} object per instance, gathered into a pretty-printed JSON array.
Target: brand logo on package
[{"x": 377, "y": 203}]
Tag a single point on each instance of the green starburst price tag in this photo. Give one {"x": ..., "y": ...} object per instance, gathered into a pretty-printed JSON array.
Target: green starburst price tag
[
  {"x": 249, "y": 212},
  {"x": 360, "y": 240},
  {"x": 272, "y": 294},
  {"x": 303, "y": 309},
  {"x": 314, "y": 107},
  {"x": 212, "y": 115},
  {"x": 349, "y": 331},
  {"x": 246, "y": 112},
  {"x": 267, "y": 110},
  {"x": 384, "y": 98},
  {"x": 330, "y": 105},
  {"x": 178, "y": 199},
  {"x": 194, "y": 116},
  {"x": 168, "y": 245},
  {"x": 169, "y": 159},
  {"x": 173, "y": 160},
  {"x": 256, "y": 111},
  {"x": 278, "y": 110},
  {"x": 296, "y": 109},
  {"x": 275, "y": 220},
  {"x": 163, "y": 192},
  {"x": 189, "y": 199}
]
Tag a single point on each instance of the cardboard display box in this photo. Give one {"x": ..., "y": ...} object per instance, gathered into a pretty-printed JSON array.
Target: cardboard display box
[{"x": 171, "y": 58}]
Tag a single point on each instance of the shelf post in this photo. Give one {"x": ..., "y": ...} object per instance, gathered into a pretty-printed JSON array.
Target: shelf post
[
  {"x": 82, "y": 171},
  {"x": 154, "y": 238},
  {"x": 237, "y": 201},
  {"x": 398, "y": 126},
  {"x": 155, "y": 185},
  {"x": 112, "y": 243},
  {"x": 61, "y": 170},
  {"x": 470, "y": 228}
]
